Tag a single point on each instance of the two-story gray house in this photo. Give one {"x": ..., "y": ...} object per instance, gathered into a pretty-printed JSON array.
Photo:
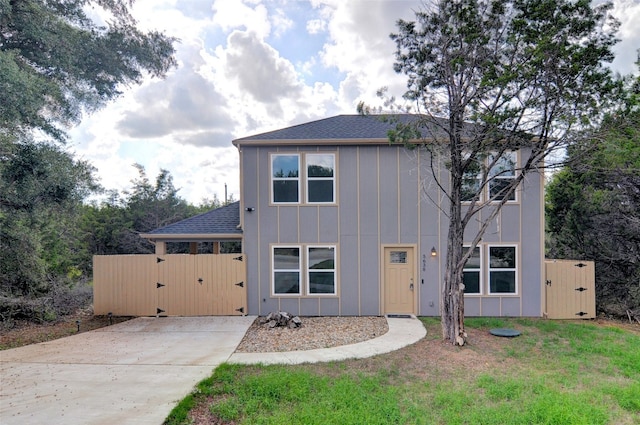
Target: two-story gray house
[{"x": 337, "y": 221}]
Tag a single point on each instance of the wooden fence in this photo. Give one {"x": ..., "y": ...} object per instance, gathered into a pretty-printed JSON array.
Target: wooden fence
[
  {"x": 170, "y": 285},
  {"x": 570, "y": 289}
]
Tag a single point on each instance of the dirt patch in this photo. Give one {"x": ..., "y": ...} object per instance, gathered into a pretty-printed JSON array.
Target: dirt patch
[
  {"x": 622, "y": 324},
  {"x": 201, "y": 414},
  {"x": 24, "y": 333},
  {"x": 433, "y": 359}
]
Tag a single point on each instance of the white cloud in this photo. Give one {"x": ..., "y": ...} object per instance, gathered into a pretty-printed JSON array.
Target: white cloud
[
  {"x": 316, "y": 26},
  {"x": 98, "y": 142},
  {"x": 259, "y": 69},
  {"x": 281, "y": 22},
  {"x": 235, "y": 14},
  {"x": 186, "y": 104},
  {"x": 239, "y": 74},
  {"x": 307, "y": 67},
  {"x": 628, "y": 12},
  {"x": 361, "y": 48}
]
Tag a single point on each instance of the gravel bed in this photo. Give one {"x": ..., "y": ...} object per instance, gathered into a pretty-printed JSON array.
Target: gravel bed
[{"x": 315, "y": 332}]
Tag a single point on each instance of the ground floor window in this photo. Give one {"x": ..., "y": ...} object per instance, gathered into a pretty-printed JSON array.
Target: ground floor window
[
  {"x": 502, "y": 270},
  {"x": 304, "y": 270},
  {"x": 322, "y": 270},
  {"x": 286, "y": 270},
  {"x": 499, "y": 270},
  {"x": 472, "y": 273}
]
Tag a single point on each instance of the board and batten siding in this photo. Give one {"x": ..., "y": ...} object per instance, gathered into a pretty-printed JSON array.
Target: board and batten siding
[{"x": 383, "y": 198}]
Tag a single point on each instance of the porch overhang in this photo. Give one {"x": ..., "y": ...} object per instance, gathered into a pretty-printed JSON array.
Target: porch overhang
[{"x": 192, "y": 237}]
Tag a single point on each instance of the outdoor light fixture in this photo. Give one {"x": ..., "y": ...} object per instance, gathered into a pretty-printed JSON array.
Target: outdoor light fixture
[
  {"x": 434, "y": 253},
  {"x": 250, "y": 209}
]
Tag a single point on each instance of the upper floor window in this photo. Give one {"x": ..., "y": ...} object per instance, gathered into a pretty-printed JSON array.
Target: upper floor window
[
  {"x": 311, "y": 173},
  {"x": 285, "y": 174},
  {"x": 471, "y": 180},
  {"x": 320, "y": 178},
  {"x": 500, "y": 176}
]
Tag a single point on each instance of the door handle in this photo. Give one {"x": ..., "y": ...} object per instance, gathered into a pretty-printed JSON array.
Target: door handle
[{"x": 411, "y": 284}]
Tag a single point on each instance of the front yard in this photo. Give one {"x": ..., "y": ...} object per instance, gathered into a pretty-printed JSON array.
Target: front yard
[{"x": 554, "y": 373}]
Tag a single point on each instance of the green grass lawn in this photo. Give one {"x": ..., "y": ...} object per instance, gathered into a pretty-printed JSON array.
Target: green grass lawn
[{"x": 554, "y": 373}]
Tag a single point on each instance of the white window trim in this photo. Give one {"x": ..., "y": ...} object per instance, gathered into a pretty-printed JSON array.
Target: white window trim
[
  {"x": 303, "y": 179},
  {"x": 480, "y": 271},
  {"x": 299, "y": 270},
  {"x": 304, "y": 270},
  {"x": 477, "y": 178},
  {"x": 504, "y": 177},
  {"x": 309, "y": 271},
  {"x": 308, "y": 179},
  {"x": 274, "y": 179},
  {"x": 486, "y": 191},
  {"x": 514, "y": 270}
]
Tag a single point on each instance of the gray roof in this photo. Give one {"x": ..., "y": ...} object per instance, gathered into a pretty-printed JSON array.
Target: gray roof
[
  {"x": 342, "y": 127},
  {"x": 220, "y": 221}
]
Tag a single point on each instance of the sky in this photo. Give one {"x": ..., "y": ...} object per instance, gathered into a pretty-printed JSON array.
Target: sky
[{"x": 250, "y": 66}]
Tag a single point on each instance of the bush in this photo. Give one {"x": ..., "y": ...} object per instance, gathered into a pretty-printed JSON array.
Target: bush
[{"x": 61, "y": 300}]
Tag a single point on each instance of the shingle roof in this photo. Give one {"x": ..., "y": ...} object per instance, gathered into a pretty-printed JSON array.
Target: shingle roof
[
  {"x": 220, "y": 221},
  {"x": 339, "y": 127}
]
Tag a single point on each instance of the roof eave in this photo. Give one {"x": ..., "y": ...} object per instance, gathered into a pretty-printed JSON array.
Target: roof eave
[
  {"x": 194, "y": 237},
  {"x": 314, "y": 142}
]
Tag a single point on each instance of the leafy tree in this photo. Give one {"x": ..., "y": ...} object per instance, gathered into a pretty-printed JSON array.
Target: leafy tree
[
  {"x": 41, "y": 189},
  {"x": 150, "y": 206},
  {"x": 504, "y": 75},
  {"x": 114, "y": 226},
  {"x": 55, "y": 61}
]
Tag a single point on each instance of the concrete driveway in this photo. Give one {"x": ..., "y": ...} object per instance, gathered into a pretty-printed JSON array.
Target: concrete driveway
[{"x": 130, "y": 373}]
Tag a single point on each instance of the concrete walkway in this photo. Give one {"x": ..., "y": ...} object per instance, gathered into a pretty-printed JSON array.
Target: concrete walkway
[
  {"x": 135, "y": 372},
  {"x": 130, "y": 373}
]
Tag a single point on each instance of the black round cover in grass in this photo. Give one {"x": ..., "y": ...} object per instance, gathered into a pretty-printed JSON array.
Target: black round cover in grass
[{"x": 506, "y": 332}]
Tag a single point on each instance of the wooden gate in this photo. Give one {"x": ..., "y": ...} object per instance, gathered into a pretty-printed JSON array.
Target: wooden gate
[
  {"x": 570, "y": 289},
  {"x": 170, "y": 285}
]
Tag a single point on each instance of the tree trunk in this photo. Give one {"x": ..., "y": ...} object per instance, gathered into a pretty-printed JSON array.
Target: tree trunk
[{"x": 452, "y": 305}]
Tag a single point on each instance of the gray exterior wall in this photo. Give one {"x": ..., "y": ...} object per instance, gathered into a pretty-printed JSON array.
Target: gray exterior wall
[{"x": 383, "y": 198}]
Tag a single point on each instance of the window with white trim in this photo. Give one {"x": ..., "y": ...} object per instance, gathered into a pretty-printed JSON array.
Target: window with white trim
[
  {"x": 502, "y": 175},
  {"x": 502, "y": 270},
  {"x": 286, "y": 270},
  {"x": 472, "y": 272},
  {"x": 320, "y": 178},
  {"x": 303, "y": 177},
  {"x": 303, "y": 270},
  {"x": 321, "y": 276},
  {"x": 285, "y": 175},
  {"x": 471, "y": 180}
]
